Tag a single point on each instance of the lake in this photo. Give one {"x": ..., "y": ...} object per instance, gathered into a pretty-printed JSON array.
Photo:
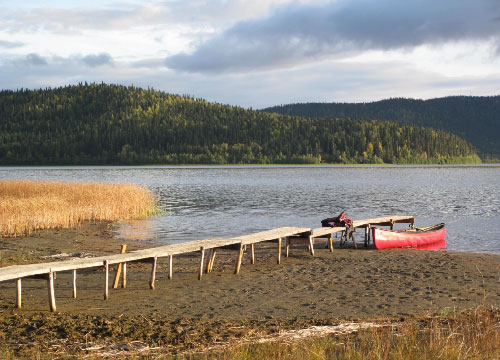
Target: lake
[{"x": 225, "y": 201}]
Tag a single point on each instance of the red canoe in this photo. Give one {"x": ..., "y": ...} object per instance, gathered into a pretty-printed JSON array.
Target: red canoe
[{"x": 429, "y": 237}]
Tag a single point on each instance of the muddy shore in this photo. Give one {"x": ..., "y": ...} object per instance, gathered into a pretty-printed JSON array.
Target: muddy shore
[{"x": 185, "y": 313}]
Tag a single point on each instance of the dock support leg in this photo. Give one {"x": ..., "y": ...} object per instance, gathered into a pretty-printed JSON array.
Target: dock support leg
[
  {"x": 18, "y": 297},
  {"x": 124, "y": 275},
  {"x": 170, "y": 272},
  {"x": 311, "y": 245},
  {"x": 200, "y": 274},
  {"x": 367, "y": 229},
  {"x": 153, "y": 274},
  {"x": 330, "y": 242},
  {"x": 279, "y": 251},
  {"x": 211, "y": 260},
  {"x": 350, "y": 233},
  {"x": 119, "y": 268},
  {"x": 207, "y": 267},
  {"x": 238, "y": 261},
  {"x": 287, "y": 247},
  {"x": 52, "y": 297},
  {"x": 252, "y": 253},
  {"x": 106, "y": 280},
  {"x": 74, "y": 284}
]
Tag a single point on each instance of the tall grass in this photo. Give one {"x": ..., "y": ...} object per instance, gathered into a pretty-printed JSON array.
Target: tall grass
[
  {"x": 474, "y": 334},
  {"x": 27, "y": 206}
]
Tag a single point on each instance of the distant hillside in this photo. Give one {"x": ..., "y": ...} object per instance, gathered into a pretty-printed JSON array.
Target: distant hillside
[
  {"x": 476, "y": 119},
  {"x": 109, "y": 124}
]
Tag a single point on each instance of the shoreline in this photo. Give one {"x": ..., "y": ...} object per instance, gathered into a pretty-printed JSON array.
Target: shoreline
[{"x": 327, "y": 289}]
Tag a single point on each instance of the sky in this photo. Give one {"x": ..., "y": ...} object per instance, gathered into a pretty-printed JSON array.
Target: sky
[{"x": 256, "y": 53}]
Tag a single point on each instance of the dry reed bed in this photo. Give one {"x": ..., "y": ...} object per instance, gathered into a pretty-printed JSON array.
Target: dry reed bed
[{"x": 27, "y": 206}]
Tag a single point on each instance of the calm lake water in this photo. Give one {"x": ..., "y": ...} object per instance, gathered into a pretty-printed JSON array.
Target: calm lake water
[{"x": 226, "y": 201}]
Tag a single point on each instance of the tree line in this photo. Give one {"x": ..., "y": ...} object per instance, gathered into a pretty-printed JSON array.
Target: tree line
[
  {"x": 475, "y": 118},
  {"x": 110, "y": 124}
]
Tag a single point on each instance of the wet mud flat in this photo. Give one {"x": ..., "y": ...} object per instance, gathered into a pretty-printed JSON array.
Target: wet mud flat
[{"x": 187, "y": 313}]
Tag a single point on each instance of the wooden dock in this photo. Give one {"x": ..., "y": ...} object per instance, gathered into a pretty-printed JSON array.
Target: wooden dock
[{"x": 289, "y": 235}]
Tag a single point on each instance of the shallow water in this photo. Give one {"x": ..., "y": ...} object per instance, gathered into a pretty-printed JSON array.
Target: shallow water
[{"x": 222, "y": 201}]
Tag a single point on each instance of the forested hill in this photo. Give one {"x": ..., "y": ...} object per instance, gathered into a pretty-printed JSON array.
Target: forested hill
[
  {"x": 109, "y": 124},
  {"x": 476, "y": 119}
]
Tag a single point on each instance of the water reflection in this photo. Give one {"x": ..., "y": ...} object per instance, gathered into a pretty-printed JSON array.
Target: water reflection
[{"x": 136, "y": 230}]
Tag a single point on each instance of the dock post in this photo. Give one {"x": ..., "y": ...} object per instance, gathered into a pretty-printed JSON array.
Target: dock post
[
  {"x": 124, "y": 275},
  {"x": 208, "y": 261},
  {"x": 252, "y": 250},
  {"x": 350, "y": 233},
  {"x": 367, "y": 234},
  {"x": 311, "y": 245},
  {"x": 238, "y": 261},
  {"x": 18, "y": 297},
  {"x": 202, "y": 249},
  {"x": 52, "y": 297},
  {"x": 153, "y": 274},
  {"x": 279, "y": 251},
  {"x": 211, "y": 260},
  {"x": 287, "y": 247},
  {"x": 119, "y": 268},
  {"x": 330, "y": 242},
  {"x": 170, "y": 273},
  {"x": 106, "y": 280},
  {"x": 74, "y": 284}
]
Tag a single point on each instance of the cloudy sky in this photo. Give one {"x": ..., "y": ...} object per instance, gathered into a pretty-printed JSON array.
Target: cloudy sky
[{"x": 257, "y": 53}]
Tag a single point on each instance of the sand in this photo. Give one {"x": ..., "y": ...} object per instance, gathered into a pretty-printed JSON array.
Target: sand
[{"x": 324, "y": 289}]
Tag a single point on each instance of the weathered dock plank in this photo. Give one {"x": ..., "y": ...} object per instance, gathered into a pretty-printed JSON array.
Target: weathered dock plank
[{"x": 273, "y": 234}]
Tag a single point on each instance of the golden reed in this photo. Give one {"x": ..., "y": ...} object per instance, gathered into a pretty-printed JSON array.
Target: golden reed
[{"x": 26, "y": 206}]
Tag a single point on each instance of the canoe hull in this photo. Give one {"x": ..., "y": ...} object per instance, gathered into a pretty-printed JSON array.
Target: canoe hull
[{"x": 433, "y": 237}]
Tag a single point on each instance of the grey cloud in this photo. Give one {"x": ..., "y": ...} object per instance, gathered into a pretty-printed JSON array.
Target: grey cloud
[
  {"x": 97, "y": 60},
  {"x": 298, "y": 33},
  {"x": 35, "y": 59},
  {"x": 10, "y": 44}
]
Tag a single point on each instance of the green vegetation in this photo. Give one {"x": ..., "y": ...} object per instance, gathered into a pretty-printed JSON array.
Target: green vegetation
[
  {"x": 476, "y": 119},
  {"x": 110, "y": 124}
]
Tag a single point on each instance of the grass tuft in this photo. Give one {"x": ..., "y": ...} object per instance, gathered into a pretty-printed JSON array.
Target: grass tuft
[{"x": 27, "y": 206}]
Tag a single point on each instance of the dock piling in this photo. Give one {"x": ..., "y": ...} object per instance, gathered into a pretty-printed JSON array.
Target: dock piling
[
  {"x": 170, "y": 273},
  {"x": 52, "y": 297},
  {"x": 18, "y": 297},
  {"x": 119, "y": 268},
  {"x": 238, "y": 260},
  {"x": 279, "y": 251},
  {"x": 74, "y": 284},
  {"x": 211, "y": 260},
  {"x": 153, "y": 274},
  {"x": 124, "y": 275},
  {"x": 202, "y": 250},
  {"x": 311, "y": 245},
  {"x": 106, "y": 280}
]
